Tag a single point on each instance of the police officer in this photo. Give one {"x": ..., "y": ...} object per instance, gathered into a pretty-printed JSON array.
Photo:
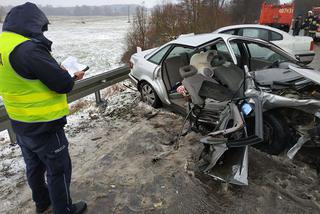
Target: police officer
[
  {"x": 33, "y": 88},
  {"x": 307, "y": 23}
]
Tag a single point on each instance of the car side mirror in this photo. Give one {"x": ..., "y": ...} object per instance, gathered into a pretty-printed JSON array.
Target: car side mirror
[{"x": 304, "y": 60}]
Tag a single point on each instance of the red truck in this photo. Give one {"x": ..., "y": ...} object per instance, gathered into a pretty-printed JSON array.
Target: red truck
[{"x": 278, "y": 16}]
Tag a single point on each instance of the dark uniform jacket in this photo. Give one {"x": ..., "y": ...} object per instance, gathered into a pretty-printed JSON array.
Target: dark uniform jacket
[
  {"x": 32, "y": 60},
  {"x": 307, "y": 22}
]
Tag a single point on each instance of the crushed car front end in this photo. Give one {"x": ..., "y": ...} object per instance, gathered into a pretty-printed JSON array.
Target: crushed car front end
[{"x": 297, "y": 101}]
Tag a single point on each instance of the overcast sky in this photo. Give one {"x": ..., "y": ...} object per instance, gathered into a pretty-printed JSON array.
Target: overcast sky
[{"x": 148, "y": 3}]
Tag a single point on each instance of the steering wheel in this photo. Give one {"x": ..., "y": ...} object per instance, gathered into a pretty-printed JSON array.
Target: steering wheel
[{"x": 275, "y": 64}]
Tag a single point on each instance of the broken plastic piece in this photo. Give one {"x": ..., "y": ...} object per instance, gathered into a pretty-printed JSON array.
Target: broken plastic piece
[{"x": 293, "y": 151}]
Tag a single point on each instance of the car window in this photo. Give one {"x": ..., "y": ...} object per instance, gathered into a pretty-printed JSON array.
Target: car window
[
  {"x": 231, "y": 32},
  {"x": 177, "y": 51},
  {"x": 222, "y": 50},
  {"x": 157, "y": 57},
  {"x": 263, "y": 56},
  {"x": 255, "y": 33},
  {"x": 276, "y": 36}
]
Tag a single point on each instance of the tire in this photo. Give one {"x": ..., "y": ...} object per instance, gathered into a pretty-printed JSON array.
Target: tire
[
  {"x": 276, "y": 134},
  {"x": 149, "y": 95}
]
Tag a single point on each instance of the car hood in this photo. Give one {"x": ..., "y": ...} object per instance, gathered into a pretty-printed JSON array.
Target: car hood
[{"x": 310, "y": 74}]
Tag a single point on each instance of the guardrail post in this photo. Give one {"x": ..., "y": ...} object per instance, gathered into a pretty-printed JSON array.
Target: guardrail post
[
  {"x": 99, "y": 100},
  {"x": 12, "y": 135},
  {"x": 6, "y": 125}
]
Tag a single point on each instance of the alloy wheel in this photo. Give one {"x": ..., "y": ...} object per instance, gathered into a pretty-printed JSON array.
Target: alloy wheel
[{"x": 148, "y": 94}]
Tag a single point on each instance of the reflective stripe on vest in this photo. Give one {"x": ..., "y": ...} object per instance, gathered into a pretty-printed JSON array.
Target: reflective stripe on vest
[{"x": 26, "y": 100}]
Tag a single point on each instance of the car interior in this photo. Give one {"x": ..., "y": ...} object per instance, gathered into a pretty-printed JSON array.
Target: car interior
[
  {"x": 212, "y": 64},
  {"x": 210, "y": 76}
]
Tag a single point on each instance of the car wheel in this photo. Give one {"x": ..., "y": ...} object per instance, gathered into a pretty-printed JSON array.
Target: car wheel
[
  {"x": 276, "y": 134},
  {"x": 149, "y": 96}
]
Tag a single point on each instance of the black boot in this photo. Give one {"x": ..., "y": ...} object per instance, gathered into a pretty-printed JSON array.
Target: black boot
[
  {"x": 79, "y": 207},
  {"x": 43, "y": 208}
]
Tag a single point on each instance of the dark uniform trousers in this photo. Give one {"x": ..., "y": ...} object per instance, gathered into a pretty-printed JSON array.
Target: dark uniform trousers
[{"x": 48, "y": 153}]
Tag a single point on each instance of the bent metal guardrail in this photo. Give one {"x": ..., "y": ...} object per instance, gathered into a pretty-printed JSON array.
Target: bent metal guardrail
[{"x": 81, "y": 89}]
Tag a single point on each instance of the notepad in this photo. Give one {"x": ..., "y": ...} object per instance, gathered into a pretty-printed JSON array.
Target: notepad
[{"x": 71, "y": 65}]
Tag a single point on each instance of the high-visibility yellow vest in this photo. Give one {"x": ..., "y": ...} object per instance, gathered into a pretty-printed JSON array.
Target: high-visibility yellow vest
[{"x": 26, "y": 100}]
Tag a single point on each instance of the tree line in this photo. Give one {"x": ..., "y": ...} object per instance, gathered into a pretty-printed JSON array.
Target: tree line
[
  {"x": 168, "y": 21},
  {"x": 106, "y": 10}
]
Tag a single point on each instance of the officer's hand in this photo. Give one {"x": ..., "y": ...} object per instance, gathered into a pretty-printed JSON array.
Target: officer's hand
[{"x": 79, "y": 75}]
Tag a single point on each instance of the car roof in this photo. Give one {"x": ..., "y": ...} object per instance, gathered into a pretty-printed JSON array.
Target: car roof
[
  {"x": 200, "y": 39},
  {"x": 250, "y": 26}
]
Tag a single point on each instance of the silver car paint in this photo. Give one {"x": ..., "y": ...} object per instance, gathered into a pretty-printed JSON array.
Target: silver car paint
[{"x": 145, "y": 70}]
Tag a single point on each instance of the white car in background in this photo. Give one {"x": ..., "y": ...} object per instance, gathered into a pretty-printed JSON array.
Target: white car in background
[{"x": 299, "y": 46}]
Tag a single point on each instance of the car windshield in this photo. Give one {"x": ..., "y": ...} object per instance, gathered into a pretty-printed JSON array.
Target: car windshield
[{"x": 260, "y": 56}]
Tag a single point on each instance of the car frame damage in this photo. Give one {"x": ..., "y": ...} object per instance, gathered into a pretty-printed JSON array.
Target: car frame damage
[
  {"x": 226, "y": 159},
  {"x": 238, "y": 92}
]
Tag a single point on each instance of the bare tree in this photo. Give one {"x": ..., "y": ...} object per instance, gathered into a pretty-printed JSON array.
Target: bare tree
[
  {"x": 303, "y": 6},
  {"x": 245, "y": 11},
  {"x": 171, "y": 20},
  {"x": 137, "y": 35}
]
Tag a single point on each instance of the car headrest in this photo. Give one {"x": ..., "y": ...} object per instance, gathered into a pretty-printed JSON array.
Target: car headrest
[
  {"x": 211, "y": 54},
  {"x": 203, "y": 57},
  {"x": 184, "y": 59},
  {"x": 217, "y": 60},
  {"x": 187, "y": 71}
]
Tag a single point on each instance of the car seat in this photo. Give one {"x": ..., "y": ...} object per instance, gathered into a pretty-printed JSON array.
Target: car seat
[
  {"x": 228, "y": 74},
  {"x": 201, "y": 61},
  {"x": 203, "y": 110}
]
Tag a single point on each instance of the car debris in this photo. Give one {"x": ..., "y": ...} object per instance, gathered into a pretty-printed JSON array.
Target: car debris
[{"x": 150, "y": 115}]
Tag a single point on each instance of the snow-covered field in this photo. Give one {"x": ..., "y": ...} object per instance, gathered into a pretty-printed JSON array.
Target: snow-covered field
[{"x": 96, "y": 41}]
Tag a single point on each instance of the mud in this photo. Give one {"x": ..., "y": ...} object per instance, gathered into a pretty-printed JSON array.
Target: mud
[{"x": 122, "y": 165}]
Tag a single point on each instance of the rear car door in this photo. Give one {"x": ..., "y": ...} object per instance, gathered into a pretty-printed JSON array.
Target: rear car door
[
  {"x": 278, "y": 39},
  {"x": 177, "y": 57},
  {"x": 157, "y": 58}
]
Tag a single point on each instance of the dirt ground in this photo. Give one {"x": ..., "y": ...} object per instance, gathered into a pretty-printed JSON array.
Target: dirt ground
[{"x": 122, "y": 165}]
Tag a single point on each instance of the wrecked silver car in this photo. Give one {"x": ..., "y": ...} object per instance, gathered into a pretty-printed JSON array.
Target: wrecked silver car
[{"x": 239, "y": 92}]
